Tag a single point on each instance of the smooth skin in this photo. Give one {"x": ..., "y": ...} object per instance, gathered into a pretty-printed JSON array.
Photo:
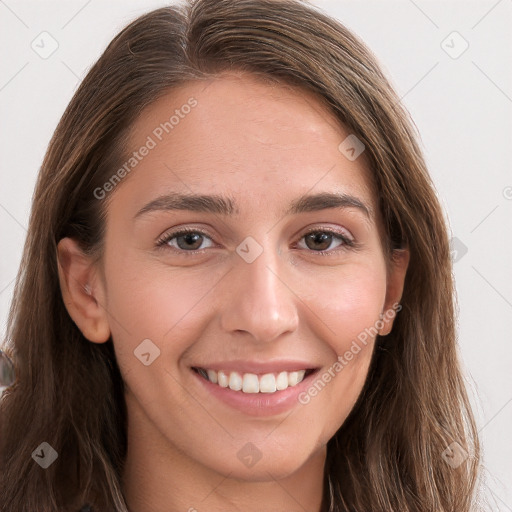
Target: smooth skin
[{"x": 264, "y": 146}]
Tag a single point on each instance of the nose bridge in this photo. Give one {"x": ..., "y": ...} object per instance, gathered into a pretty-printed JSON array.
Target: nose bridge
[{"x": 260, "y": 301}]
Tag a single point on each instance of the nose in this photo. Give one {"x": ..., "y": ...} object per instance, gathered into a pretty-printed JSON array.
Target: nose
[{"x": 260, "y": 302}]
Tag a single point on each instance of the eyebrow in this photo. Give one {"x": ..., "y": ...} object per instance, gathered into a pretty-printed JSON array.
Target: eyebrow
[{"x": 227, "y": 206}]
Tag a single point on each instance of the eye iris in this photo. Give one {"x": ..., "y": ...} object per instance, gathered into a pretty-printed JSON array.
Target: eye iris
[
  {"x": 319, "y": 238},
  {"x": 190, "y": 238}
]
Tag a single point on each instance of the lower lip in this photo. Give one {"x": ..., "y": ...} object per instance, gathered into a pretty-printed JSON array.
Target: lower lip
[{"x": 258, "y": 404}]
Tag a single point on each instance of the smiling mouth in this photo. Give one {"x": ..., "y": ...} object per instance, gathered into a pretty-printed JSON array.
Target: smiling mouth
[{"x": 252, "y": 383}]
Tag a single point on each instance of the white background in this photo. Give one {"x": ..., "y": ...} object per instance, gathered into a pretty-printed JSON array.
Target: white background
[{"x": 461, "y": 106}]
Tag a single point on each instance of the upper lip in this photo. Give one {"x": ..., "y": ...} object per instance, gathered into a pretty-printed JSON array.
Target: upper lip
[{"x": 258, "y": 367}]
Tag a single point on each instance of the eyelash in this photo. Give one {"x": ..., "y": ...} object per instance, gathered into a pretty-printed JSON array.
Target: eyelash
[{"x": 347, "y": 243}]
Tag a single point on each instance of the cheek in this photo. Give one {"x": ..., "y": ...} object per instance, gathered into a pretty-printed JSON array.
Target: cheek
[
  {"x": 348, "y": 312},
  {"x": 150, "y": 301},
  {"x": 350, "y": 304}
]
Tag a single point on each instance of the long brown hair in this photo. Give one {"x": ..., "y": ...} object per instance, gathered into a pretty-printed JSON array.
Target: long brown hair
[{"x": 388, "y": 454}]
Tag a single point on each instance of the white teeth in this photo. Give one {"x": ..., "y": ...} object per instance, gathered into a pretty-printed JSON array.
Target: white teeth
[
  {"x": 268, "y": 383},
  {"x": 235, "y": 381},
  {"x": 223, "y": 379},
  {"x": 295, "y": 377},
  {"x": 251, "y": 383},
  {"x": 282, "y": 381}
]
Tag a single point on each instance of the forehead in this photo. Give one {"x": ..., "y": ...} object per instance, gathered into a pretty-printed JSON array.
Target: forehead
[{"x": 238, "y": 134}]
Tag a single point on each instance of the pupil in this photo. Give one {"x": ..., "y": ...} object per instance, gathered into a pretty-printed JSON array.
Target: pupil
[
  {"x": 320, "y": 238},
  {"x": 190, "y": 238}
]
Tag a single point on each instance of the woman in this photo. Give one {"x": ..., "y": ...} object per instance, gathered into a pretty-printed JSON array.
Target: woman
[{"x": 236, "y": 290}]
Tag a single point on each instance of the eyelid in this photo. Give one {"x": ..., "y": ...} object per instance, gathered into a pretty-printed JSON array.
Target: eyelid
[
  {"x": 342, "y": 232},
  {"x": 169, "y": 235},
  {"x": 348, "y": 241},
  {"x": 344, "y": 235}
]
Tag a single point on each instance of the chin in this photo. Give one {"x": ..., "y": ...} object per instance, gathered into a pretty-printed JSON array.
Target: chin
[{"x": 268, "y": 464}]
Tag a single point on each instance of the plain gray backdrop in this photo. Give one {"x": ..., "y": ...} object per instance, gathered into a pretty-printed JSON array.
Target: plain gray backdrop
[{"x": 450, "y": 62}]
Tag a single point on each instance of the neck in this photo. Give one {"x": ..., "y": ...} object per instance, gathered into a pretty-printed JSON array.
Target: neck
[{"x": 158, "y": 477}]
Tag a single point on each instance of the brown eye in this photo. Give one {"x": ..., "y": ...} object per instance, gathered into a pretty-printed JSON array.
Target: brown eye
[
  {"x": 184, "y": 240},
  {"x": 322, "y": 241},
  {"x": 319, "y": 241},
  {"x": 189, "y": 241}
]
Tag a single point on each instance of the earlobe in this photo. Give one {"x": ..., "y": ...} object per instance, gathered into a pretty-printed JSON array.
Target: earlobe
[
  {"x": 82, "y": 291},
  {"x": 394, "y": 289}
]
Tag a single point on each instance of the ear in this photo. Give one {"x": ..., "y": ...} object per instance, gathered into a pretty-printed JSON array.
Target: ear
[
  {"x": 394, "y": 288},
  {"x": 82, "y": 291}
]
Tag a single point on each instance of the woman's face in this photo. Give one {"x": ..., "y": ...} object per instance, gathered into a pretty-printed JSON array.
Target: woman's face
[{"x": 271, "y": 280}]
